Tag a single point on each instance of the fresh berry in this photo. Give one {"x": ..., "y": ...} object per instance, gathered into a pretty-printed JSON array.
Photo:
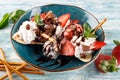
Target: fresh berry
[
  {"x": 97, "y": 45},
  {"x": 79, "y": 28},
  {"x": 68, "y": 33},
  {"x": 41, "y": 16},
  {"x": 116, "y": 53},
  {"x": 75, "y": 21},
  {"x": 32, "y": 18},
  {"x": 68, "y": 49},
  {"x": 63, "y": 19},
  {"x": 106, "y": 63}
]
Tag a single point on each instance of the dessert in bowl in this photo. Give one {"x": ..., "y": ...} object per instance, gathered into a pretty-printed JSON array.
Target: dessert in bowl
[{"x": 58, "y": 38}]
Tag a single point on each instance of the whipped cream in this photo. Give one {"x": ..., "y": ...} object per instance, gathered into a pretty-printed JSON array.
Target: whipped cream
[
  {"x": 27, "y": 35},
  {"x": 84, "y": 47}
]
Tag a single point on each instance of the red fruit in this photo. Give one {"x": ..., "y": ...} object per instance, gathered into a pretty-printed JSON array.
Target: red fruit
[
  {"x": 68, "y": 49},
  {"x": 32, "y": 18},
  {"x": 43, "y": 15},
  {"x": 75, "y": 21},
  {"x": 79, "y": 27},
  {"x": 63, "y": 19},
  {"x": 97, "y": 45},
  {"x": 116, "y": 53},
  {"x": 106, "y": 63},
  {"x": 68, "y": 33}
]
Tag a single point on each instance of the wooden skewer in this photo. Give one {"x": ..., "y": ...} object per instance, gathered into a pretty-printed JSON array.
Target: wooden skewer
[
  {"x": 99, "y": 25},
  {"x": 24, "y": 71},
  {"x": 14, "y": 70},
  {"x": 7, "y": 70}
]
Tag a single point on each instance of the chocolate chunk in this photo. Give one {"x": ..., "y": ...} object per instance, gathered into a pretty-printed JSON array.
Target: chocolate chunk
[{"x": 27, "y": 27}]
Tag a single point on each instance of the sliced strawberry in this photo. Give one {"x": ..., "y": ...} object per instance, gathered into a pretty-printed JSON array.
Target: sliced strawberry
[
  {"x": 106, "y": 63},
  {"x": 68, "y": 33},
  {"x": 32, "y": 18},
  {"x": 43, "y": 15},
  {"x": 75, "y": 21},
  {"x": 79, "y": 27},
  {"x": 116, "y": 53},
  {"x": 68, "y": 49},
  {"x": 63, "y": 19},
  {"x": 97, "y": 45}
]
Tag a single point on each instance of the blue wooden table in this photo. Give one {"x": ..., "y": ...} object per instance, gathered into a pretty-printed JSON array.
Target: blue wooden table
[{"x": 109, "y": 9}]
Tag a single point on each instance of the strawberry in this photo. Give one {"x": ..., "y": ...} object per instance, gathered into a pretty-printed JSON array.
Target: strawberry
[
  {"x": 41, "y": 16},
  {"x": 68, "y": 49},
  {"x": 75, "y": 21},
  {"x": 68, "y": 33},
  {"x": 32, "y": 18},
  {"x": 106, "y": 63},
  {"x": 116, "y": 51},
  {"x": 63, "y": 19},
  {"x": 79, "y": 28},
  {"x": 97, "y": 45}
]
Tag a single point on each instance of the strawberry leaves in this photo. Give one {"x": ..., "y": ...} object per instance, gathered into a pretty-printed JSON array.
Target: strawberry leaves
[
  {"x": 116, "y": 42},
  {"x": 88, "y": 31},
  {"x": 109, "y": 65}
]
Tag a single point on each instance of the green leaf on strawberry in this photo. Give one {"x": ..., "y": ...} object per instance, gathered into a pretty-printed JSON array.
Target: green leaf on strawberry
[
  {"x": 116, "y": 42},
  {"x": 106, "y": 63},
  {"x": 109, "y": 66}
]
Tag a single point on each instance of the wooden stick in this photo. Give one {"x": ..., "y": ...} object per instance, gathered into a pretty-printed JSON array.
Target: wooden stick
[
  {"x": 99, "y": 25},
  {"x": 47, "y": 37},
  {"x": 13, "y": 63},
  {"x": 24, "y": 68},
  {"x": 7, "y": 70},
  {"x": 14, "y": 70},
  {"x": 24, "y": 71}
]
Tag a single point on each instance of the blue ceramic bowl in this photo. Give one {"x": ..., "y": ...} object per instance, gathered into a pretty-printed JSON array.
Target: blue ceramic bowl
[{"x": 33, "y": 54}]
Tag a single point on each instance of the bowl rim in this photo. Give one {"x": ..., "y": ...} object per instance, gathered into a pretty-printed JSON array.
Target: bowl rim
[{"x": 78, "y": 67}]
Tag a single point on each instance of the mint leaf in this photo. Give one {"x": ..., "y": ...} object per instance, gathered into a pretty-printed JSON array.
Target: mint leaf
[
  {"x": 38, "y": 20},
  {"x": 88, "y": 31},
  {"x": 15, "y": 15},
  {"x": 116, "y": 42},
  {"x": 4, "y": 21}
]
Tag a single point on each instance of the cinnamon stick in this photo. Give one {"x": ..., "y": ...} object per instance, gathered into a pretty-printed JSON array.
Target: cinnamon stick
[
  {"x": 15, "y": 70},
  {"x": 7, "y": 70}
]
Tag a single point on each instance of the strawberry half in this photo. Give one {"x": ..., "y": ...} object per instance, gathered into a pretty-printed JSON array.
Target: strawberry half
[
  {"x": 116, "y": 52},
  {"x": 68, "y": 49},
  {"x": 79, "y": 28},
  {"x": 97, "y": 45},
  {"x": 68, "y": 33},
  {"x": 75, "y": 21},
  {"x": 106, "y": 63},
  {"x": 63, "y": 19},
  {"x": 41, "y": 16}
]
